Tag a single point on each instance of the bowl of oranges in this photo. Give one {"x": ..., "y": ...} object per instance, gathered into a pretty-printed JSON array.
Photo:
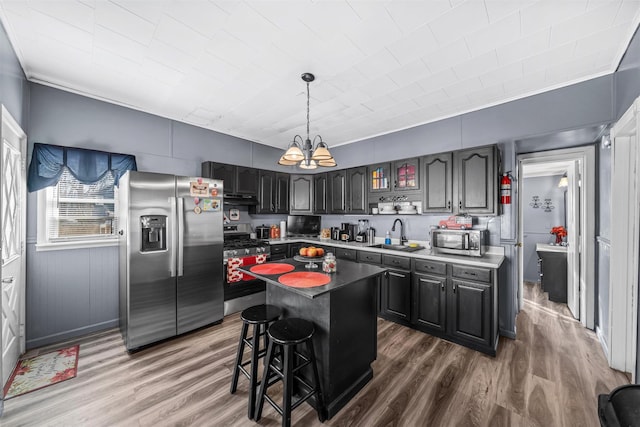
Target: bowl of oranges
[{"x": 311, "y": 252}]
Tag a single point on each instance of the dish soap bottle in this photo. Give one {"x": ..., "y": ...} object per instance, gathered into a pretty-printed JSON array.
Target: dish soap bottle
[{"x": 387, "y": 239}]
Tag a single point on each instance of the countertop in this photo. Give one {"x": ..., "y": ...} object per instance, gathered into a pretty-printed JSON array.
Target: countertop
[
  {"x": 545, "y": 247},
  {"x": 346, "y": 272},
  {"x": 492, "y": 259}
]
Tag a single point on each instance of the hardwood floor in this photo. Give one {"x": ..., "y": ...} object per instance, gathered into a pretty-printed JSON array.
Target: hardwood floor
[{"x": 549, "y": 376}]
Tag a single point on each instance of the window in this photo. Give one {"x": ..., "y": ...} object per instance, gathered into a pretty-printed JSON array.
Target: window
[
  {"x": 76, "y": 195},
  {"x": 77, "y": 214}
]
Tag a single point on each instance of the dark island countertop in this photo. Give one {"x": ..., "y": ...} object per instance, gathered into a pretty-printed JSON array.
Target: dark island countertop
[{"x": 346, "y": 272}]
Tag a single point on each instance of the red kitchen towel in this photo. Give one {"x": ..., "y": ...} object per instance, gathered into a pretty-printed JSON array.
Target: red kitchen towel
[{"x": 234, "y": 276}]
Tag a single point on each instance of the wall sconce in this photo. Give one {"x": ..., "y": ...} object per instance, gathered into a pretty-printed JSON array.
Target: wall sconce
[{"x": 564, "y": 181}]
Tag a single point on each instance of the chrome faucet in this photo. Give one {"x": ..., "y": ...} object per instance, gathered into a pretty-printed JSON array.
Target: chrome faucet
[{"x": 403, "y": 238}]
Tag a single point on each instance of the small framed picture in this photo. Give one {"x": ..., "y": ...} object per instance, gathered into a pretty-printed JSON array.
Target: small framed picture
[{"x": 234, "y": 214}]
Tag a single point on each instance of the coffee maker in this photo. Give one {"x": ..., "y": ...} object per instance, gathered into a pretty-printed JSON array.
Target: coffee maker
[
  {"x": 348, "y": 232},
  {"x": 363, "y": 226}
]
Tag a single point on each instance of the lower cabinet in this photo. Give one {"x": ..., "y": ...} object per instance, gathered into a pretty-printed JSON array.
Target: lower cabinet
[
  {"x": 278, "y": 251},
  {"x": 456, "y": 302},
  {"x": 395, "y": 295},
  {"x": 469, "y": 307},
  {"x": 395, "y": 289},
  {"x": 429, "y": 302}
]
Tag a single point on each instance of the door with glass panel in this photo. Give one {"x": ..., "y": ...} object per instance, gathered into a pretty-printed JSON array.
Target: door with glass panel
[{"x": 13, "y": 233}]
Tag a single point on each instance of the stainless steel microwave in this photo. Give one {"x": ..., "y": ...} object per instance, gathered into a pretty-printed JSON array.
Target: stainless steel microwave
[{"x": 459, "y": 242}]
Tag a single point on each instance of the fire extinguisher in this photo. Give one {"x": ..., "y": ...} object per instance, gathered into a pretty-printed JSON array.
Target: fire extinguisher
[{"x": 505, "y": 188}]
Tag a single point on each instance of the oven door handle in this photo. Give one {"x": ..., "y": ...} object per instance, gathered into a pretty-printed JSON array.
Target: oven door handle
[{"x": 180, "y": 236}]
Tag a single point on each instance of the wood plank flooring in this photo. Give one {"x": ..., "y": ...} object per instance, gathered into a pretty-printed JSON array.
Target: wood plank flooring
[{"x": 549, "y": 376}]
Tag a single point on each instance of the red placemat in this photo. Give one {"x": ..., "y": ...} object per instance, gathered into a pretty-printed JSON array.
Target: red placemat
[
  {"x": 304, "y": 279},
  {"x": 271, "y": 268}
]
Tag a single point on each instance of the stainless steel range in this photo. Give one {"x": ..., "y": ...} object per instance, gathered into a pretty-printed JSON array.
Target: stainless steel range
[{"x": 241, "y": 290}]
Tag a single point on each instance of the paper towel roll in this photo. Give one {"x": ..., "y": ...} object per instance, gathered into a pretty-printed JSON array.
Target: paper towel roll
[{"x": 283, "y": 230}]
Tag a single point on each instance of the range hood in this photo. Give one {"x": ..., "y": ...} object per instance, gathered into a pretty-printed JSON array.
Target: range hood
[{"x": 240, "y": 200}]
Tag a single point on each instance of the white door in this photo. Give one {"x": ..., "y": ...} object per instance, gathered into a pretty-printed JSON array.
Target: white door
[
  {"x": 13, "y": 233},
  {"x": 573, "y": 240}
]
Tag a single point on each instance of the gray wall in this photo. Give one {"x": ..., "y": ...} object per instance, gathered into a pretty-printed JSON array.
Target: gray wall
[
  {"x": 537, "y": 222},
  {"x": 14, "y": 88},
  {"x": 73, "y": 292},
  {"x": 83, "y": 284}
]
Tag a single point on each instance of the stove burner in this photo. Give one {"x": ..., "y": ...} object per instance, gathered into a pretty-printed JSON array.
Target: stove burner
[{"x": 239, "y": 247}]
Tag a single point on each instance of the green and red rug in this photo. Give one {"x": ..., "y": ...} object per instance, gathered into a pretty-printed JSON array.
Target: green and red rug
[{"x": 41, "y": 371}]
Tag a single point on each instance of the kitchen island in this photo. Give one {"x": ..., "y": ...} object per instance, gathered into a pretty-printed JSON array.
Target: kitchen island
[{"x": 344, "y": 312}]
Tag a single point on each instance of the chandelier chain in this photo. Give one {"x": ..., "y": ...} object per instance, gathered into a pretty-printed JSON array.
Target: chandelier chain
[{"x": 307, "y": 110}]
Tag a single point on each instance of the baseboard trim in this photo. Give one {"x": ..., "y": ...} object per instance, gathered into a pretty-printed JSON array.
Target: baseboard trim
[
  {"x": 508, "y": 334},
  {"x": 73, "y": 333}
]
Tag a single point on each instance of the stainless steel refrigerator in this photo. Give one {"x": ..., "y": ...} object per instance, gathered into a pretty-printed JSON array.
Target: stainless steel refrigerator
[{"x": 170, "y": 241}]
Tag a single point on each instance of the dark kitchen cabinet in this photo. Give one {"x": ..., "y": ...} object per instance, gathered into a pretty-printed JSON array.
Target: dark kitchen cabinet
[
  {"x": 395, "y": 290},
  {"x": 357, "y": 191},
  {"x": 470, "y": 312},
  {"x": 345, "y": 253},
  {"x": 406, "y": 175},
  {"x": 246, "y": 181},
  {"x": 348, "y": 191},
  {"x": 237, "y": 179},
  {"x": 301, "y": 194},
  {"x": 437, "y": 171},
  {"x": 337, "y": 191},
  {"x": 278, "y": 251},
  {"x": 429, "y": 302},
  {"x": 476, "y": 176},
  {"x": 282, "y": 193},
  {"x": 553, "y": 274},
  {"x": 380, "y": 178},
  {"x": 320, "y": 193},
  {"x": 273, "y": 192}
]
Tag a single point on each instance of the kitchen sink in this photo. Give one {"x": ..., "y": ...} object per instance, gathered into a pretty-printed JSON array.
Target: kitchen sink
[{"x": 402, "y": 248}]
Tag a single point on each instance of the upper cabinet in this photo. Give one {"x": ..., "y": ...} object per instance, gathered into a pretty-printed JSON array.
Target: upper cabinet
[
  {"x": 437, "y": 170},
  {"x": 273, "y": 192},
  {"x": 357, "y": 190},
  {"x": 237, "y": 179},
  {"x": 302, "y": 194},
  {"x": 477, "y": 179},
  {"x": 380, "y": 178},
  {"x": 320, "y": 193},
  {"x": 406, "y": 175},
  {"x": 348, "y": 191},
  {"x": 337, "y": 191},
  {"x": 462, "y": 182},
  {"x": 246, "y": 180}
]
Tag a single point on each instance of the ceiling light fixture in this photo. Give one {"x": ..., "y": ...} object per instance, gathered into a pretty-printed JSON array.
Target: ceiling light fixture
[{"x": 302, "y": 152}]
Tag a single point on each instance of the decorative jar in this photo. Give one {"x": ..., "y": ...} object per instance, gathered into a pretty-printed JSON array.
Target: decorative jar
[{"x": 329, "y": 263}]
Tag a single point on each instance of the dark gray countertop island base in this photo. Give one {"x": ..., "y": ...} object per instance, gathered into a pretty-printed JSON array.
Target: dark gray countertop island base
[{"x": 344, "y": 313}]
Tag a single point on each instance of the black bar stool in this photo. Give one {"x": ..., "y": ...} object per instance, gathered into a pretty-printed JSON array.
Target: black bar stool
[
  {"x": 285, "y": 334},
  {"x": 260, "y": 316}
]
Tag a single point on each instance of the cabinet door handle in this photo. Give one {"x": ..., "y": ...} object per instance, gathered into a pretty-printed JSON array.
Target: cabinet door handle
[
  {"x": 449, "y": 205},
  {"x": 454, "y": 288},
  {"x": 442, "y": 286}
]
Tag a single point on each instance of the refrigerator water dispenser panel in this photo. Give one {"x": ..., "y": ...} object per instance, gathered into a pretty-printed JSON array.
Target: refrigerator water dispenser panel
[{"x": 154, "y": 233}]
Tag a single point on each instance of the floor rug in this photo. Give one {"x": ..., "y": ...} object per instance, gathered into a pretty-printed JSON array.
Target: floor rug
[{"x": 41, "y": 371}]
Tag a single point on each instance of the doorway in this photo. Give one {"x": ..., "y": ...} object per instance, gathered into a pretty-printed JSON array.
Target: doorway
[
  {"x": 550, "y": 264},
  {"x": 13, "y": 233},
  {"x": 579, "y": 166}
]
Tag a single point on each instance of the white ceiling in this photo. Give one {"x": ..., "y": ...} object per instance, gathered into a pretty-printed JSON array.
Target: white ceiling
[{"x": 380, "y": 66}]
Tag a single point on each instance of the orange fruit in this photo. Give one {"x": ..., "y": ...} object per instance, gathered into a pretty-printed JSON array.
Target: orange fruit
[
  {"x": 303, "y": 251},
  {"x": 320, "y": 251},
  {"x": 312, "y": 252}
]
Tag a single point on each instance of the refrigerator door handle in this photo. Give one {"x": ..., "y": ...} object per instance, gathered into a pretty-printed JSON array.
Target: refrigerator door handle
[
  {"x": 174, "y": 232},
  {"x": 180, "y": 246}
]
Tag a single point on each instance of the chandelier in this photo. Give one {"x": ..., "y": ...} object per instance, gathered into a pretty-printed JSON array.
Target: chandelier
[{"x": 303, "y": 153}]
